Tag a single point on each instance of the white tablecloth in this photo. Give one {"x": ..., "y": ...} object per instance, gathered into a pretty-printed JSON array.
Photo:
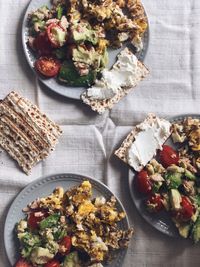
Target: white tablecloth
[{"x": 88, "y": 141}]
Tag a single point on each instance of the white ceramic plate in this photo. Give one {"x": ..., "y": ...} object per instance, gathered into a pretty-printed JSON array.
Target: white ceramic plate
[
  {"x": 71, "y": 92},
  {"x": 42, "y": 187},
  {"x": 161, "y": 221}
]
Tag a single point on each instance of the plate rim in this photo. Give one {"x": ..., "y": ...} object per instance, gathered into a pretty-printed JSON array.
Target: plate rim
[
  {"x": 42, "y": 80},
  {"x": 132, "y": 172},
  {"x": 46, "y": 179}
]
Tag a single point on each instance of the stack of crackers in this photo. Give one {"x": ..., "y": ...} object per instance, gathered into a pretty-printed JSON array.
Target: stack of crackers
[{"x": 25, "y": 133}]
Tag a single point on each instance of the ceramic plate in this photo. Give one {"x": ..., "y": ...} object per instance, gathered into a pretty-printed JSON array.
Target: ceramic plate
[
  {"x": 42, "y": 187},
  {"x": 160, "y": 221},
  {"x": 71, "y": 92}
]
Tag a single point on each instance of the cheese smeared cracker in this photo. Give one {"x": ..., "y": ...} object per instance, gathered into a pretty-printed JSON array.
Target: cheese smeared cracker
[
  {"x": 125, "y": 74},
  {"x": 143, "y": 141}
]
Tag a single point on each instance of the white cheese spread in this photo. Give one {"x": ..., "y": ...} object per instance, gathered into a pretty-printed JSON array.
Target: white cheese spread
[
  {"x": 149, "y": 138},
  {"x": 122, "y": 75}
]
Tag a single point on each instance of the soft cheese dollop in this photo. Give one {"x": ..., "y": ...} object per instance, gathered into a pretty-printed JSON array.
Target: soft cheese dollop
[
  {"x": 150, "y": 137},
  {"x": 122, "y": 75}
]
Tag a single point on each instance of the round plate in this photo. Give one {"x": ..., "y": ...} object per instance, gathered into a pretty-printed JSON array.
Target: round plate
[
  {"x": 161, "y": 221},
  {"x": 62, "y": 89},
  {"x": 42, "y": 187}
]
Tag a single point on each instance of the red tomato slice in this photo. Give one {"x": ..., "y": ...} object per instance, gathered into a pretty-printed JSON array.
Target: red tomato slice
[
  {"x": 42, "y": 45},
  {"x": 66, "y": 244},
  {"x": 47, "y": 66},
  {"x": 52, "y": 263},
  {"x": 154, "y": 203},
  {"x": 51, "y": 36},
  {"x": 187, "y": 209},
  {"x": 34, "y": 220},
  {"x": 168, "y": 156},
  {"x": 186, "y": 212},
  {"x": 22, "y": 263},
  {"x": 143, "y": 182}
]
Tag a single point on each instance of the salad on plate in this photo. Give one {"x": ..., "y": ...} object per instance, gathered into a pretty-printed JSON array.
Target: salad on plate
[
  {"x": 171, "y": 180},
  {"x": 71, "y": 38},
  {"x": 70, "y": 229}
]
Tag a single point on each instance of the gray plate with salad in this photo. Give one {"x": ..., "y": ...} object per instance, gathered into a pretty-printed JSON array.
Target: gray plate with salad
[
  {"x": 166, "y": 192},
  {"x": 69, "y": 43},
  {"x": 66, "y": 220}
]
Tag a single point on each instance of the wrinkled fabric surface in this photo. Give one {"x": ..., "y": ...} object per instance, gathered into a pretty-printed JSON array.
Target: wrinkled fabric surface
[{"x": 88, "y": 141}]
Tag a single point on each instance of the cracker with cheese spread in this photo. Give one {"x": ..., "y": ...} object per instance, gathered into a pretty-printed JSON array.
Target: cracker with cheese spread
[
  {"x": 143, "y": 141},
  {"x": 25, "y": 133},
  {"x": 125, "y": 74}
]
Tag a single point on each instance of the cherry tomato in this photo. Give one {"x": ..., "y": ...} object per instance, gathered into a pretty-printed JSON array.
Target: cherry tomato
[
  {"x": 34, "y": 220},
  {"x": 51, "y": 36},
  {"x": 168, "y": 156},
  {"x": 52, "y": 263},
  {"x": 154, "y": 203},
  {"x": 187, "y": 209},
  {"x": 66, "y": 244},
  {"x": 22, "y": 263},
  {"x": 186, "y": 212},
  {"x": 47, "y": 66},
  {"x": 42, "y": 45},
  {"x": 143, "y": 182}
]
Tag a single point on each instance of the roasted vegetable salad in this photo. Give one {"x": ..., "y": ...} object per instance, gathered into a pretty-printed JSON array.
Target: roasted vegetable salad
[
  {"x": 70, "y": 39},
  {"x": 70, "y": 229},
  {"x": 171, "y": 181}
]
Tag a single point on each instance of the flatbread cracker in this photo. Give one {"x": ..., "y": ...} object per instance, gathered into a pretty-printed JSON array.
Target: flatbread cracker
[
  {"x": 25, "y": 133},
  {"x": 122, "y": 151},
  {"x": 101, "y": 106}
]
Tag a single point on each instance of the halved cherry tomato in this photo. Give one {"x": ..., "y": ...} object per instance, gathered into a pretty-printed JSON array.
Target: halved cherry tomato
[
  {"x": 34, "y": 219},
  {"x": 47, "y": 66},
  {"x": 22, "y": 263},
  {"x": 168, "y": 156},
  {"x": 42, "y": 44},
  {"x": 52, "y": 263},
  {"x": 187, "y": 209},
  {"x": 154, "y": 203},
  {"x": 186, "y": 212},
  {"x": 51, "y": 36},
  {"x": 143, "y": 182},
  {"x": 66, "y": 244}
]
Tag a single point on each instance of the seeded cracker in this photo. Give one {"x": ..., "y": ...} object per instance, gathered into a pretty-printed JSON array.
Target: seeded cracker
[
  {"x": 150, "y": 120},
  {"x": 101, "y": 106},
  {"x": 25, "y": 133}
]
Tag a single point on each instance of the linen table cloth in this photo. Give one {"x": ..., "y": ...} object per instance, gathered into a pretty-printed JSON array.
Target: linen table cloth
[{"x": 89, "y": 140}]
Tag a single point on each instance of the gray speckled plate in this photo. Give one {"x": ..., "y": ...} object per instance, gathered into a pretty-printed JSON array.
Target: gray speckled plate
[
  {"x": 43, "y": 187},
  {"x": 160, "y": 221},
  {"x": 64, "y": 90}
]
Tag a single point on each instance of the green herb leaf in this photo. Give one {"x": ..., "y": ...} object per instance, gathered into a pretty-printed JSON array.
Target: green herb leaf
[{"x": 70, "y": 75}]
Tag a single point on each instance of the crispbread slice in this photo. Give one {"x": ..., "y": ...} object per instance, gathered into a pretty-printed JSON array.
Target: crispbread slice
[
  {"x": 101, "y": 106},
  {"x": 121, "y": 152},
  {"x": 33, "y": 116},
  {"x": 7, "y": 113},
  {"x": 150, "y": 120},
  {"x": 25, "y": 133}
]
